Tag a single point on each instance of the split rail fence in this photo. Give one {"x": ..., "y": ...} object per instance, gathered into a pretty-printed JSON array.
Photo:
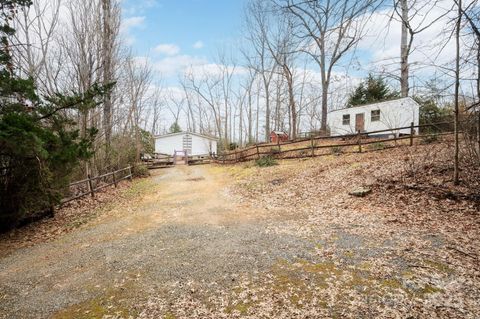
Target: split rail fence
[
  {"x": 90, "y": 185},
  {"x": 327, "y": 145}
]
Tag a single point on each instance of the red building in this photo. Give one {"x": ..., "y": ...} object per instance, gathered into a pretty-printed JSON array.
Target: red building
[{"x": 278, "y": 137}]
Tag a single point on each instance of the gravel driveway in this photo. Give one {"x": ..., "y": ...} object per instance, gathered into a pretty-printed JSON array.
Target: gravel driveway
[
  {"x": 189, "y": 247},
  {"x": 185, "y": 229}
]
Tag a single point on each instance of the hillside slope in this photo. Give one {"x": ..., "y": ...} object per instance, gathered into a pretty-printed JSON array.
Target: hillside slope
[{"x": 408, "y": 247}]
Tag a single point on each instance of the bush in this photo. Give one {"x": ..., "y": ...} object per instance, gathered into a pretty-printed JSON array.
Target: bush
[
  {"x": 266, "y": 161},
  {"x": 430, "y": 112},
  {"x": 140, "y": 170}
]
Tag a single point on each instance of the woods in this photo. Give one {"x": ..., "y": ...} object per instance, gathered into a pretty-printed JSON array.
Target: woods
[
  {"x": 239, "y": 159},
  {"x": 69, "y": 71}
]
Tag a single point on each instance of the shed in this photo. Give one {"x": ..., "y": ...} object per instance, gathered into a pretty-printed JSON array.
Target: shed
[
  {"x": 193, "y": 144},
  {"x": 375, "y": 117},
  {"x": 278, "y": 137}
]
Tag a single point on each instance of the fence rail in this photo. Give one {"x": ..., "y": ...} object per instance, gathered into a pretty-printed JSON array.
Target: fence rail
[
  {"x": 168, "y": 161},
  {"x": 357, "y": 141},
  {"x": 91, "y": 188}
]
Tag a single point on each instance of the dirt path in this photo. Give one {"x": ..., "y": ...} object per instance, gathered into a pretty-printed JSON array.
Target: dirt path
[
  {"x": 296, "y": 245},
  {"x": 184, "y": 229}
]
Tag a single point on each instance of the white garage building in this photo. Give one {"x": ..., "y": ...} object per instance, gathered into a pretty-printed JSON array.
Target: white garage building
[
  {"x": 375, "y": 117},
  {"x": 192, "y": 143}
]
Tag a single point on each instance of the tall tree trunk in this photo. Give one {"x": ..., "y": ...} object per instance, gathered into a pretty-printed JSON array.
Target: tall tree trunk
[
  {"x": 107, "y": 69},
  {"x": 404, "y": 48},
  {"x": 478, "y": 96},
  {"x": 225, "y": 134},
  {"x": 323, "y": 126},
  {"x": 240, "y": 123},
  {"x": 293, "y": 109},
  {"x": 457, "y": 89},
  {"x": 250, "y": 119},
  {"x": 257, "y": 118},
  {"x": 267, "y": 108}
]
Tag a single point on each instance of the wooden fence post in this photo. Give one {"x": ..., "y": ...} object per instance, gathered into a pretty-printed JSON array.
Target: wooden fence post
[
  {"x": 258, "y": 152},
  {"x": 130, "y": 172},
  {"x": 114, "y": 179},
  {"x": 311, "y": 143},
  {"x": 235, "y": 154},
  {"x": 359, "y": 142},
  {"x": 412, "y": 131},
  {"x": 90, "y": 186}
]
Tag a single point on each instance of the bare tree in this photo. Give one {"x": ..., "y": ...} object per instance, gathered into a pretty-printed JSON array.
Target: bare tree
[
  {"x": 257, "y": 23},
  {"x": 34, "y": 38},
  {"x": 244, "y": 98},
  {"x": 81, "y": 48},
  {"x": 190, "y": 111},
  {"x": 206, "y": 87},
  {"x": 110, "y": 33},
  {"x": 138, "y": 76},
  {"x": 472, "y": 16},
  {"x": 226, "y": 69},
  {"x": 415, "y": 18},
  {"x": 157, "y": 106},
  {"x": 175, "y": 105},
  {"x": 457, "y": 88},
  {"x": 329, "y": 29}
]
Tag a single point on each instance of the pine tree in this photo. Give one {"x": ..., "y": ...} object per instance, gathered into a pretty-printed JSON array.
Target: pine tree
[
  {"x": 38, "y": 147},
  {"x": 175, "y": 128},
  {"x": 373, "y": 89}
]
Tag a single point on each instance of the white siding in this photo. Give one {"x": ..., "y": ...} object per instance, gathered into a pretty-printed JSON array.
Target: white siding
[
  {"x": 396, "y": 113},
  {"x": 203, "y": 146},
  {"x": 168, "y": 144}
]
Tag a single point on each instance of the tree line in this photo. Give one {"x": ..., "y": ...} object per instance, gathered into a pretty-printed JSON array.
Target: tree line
[{"x": 76, "y": 99}]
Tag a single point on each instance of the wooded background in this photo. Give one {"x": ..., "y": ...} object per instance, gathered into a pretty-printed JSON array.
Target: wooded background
[{"x": 63, "y": 47}]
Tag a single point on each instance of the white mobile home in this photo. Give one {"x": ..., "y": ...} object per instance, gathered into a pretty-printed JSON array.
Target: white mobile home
[
  {"x": 375, "y": 117},
  {"x": 192, "y": 143}
]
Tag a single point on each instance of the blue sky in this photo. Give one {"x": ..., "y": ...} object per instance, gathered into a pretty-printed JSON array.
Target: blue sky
[
  {"x": 176, "y": 34},
  {"x": 182, "y": 23}
]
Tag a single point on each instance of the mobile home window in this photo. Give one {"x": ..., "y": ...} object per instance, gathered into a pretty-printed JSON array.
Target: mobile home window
[
  {"x": 346, "y": 119},
  {"x": 375, "y": 115}
]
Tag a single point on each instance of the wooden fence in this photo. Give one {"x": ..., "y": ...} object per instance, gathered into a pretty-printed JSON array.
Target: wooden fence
[
  {"x": 168, "y": 161},
  {"x": 91, "y": 184},
  {"x": 326, "y": 145}
]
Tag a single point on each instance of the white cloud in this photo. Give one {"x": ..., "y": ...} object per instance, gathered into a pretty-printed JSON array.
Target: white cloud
[
  {"x": 167, "y": 49},
  {"x": 129, "y": 40},
  {"x": 142, "y": 61},
  {"x": 127, "y": 25},
  {"x": 132, "y": 22},
  {"x": 203, "y": 70},
  {"x": 173, "y": 65},
  {"x": 198, "y": 45},
  {"x": 138, "y": 6}
]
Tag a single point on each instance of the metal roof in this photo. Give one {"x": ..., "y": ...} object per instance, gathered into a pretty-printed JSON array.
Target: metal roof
[
  {"x": 185, "y": 133},
  {"x": 378, "y": 104}
]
